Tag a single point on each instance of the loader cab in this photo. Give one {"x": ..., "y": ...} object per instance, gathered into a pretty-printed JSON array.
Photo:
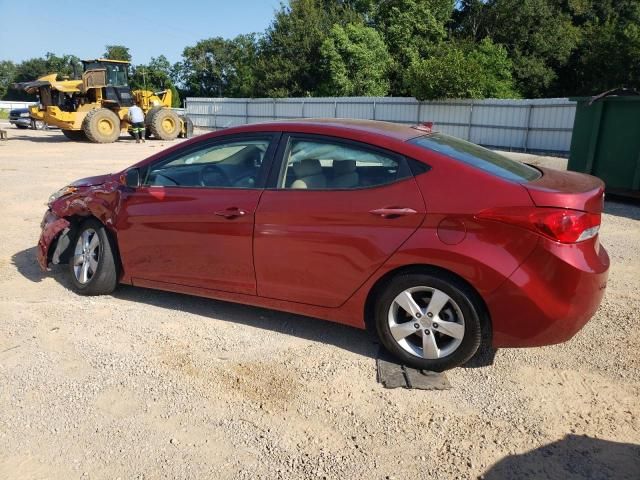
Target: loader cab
[{"x": 117, "y": 90}]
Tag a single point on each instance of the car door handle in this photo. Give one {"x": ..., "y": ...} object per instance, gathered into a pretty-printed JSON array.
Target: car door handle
[
  {"x": 231, "y": 213},
  {"x": 392, "y": 212}
]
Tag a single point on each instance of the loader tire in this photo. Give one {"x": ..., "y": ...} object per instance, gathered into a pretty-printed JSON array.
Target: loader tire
[
  {"x": 148, "y": 118},
  {"x": 101, "y": 126},
  {"x": 165, "y": 124},
  {"x": 187, "y": 127},
  {"x": 75, "y": 135}
]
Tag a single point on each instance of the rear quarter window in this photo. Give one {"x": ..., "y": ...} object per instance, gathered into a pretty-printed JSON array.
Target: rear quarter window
[{"x": 477, "y": 156}]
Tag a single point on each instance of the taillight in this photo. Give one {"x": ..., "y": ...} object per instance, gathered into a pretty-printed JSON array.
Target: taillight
[{"x": 559, "y": 224}]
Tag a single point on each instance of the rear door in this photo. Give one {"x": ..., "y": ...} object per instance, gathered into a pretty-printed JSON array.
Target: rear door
[
  {"x": 191, "y": 222},
  {"x": 336, "y": 211}
]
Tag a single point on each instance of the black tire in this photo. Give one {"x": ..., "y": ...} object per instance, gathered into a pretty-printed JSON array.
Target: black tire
[
  {"x": 38, "y": 125},
  {"x": 148, "y": 119},
  {"x": 75, "y": 135},
  {"x": 460, "y": 294},
  {"x": 101, "y": 125},
  {"x": 21, "y": 127},
  {"x": 104, "y": 279},
  {"x": 187, "y": 127},
  {"x": 165, "y": 124}
]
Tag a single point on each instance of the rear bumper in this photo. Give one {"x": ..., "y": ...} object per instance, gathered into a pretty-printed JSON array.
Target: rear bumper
[
  {"x": 52, "y": 226},
  {"x": 551, "y": 296}
]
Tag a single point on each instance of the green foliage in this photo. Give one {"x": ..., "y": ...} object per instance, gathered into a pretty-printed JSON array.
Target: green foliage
[
  {"x": 117, "y": 52},
  {"x": 7, "y": 75},
  {"x": 410, "y": 28},
  {"x": 215, "y": 67},
  {"x": 462, "y": 70},
  {"x": 357, "y": 62},
  {"x": 426, "y": 48},
  {"x": 289, "y": 51},
  {"x": 538, "y": 35},
  {"x": 608, "y": 53}
]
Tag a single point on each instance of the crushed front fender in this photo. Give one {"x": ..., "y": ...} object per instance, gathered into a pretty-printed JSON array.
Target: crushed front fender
[{"x": 52, "y": 227}]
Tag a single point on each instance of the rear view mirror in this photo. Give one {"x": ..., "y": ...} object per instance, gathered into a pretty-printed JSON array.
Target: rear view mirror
[{"x": 132, "y": 178}]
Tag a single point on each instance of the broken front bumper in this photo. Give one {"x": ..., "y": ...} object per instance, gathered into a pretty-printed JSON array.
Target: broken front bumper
[{"x": 53, "y": 229}]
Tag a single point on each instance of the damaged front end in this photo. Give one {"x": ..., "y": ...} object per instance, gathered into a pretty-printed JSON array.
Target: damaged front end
[
  {"x": 55, "y": 234},
  {"x": 68, "y": 208}
]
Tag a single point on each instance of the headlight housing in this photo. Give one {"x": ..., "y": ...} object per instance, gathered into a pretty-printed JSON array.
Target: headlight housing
[
  {"x": 63, "y": 192},
  {"x": 25, "y": 115}
]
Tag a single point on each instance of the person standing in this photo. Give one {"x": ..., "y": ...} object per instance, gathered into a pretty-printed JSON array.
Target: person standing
[{"x": 136, "y": 119}]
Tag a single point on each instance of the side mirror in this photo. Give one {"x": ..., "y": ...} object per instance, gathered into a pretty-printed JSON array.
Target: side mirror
[{"x": 132, "y": 178}]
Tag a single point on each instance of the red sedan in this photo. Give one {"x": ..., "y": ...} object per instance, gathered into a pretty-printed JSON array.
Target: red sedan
[{"x": 433, "y": 242}]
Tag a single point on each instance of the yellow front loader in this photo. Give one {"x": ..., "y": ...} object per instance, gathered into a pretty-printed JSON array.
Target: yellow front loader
[{"x": 96, "y": 107}]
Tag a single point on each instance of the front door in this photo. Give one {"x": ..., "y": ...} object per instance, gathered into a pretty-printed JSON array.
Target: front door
[
  {"x": 337, "y": 212},
  {"x": 191, "y": 222}
]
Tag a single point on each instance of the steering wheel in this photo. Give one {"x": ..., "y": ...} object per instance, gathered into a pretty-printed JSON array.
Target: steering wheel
[{"x": 213, "y": 176}]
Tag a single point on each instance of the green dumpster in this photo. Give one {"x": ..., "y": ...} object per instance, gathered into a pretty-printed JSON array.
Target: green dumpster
[{"x": 606, "y": 140}]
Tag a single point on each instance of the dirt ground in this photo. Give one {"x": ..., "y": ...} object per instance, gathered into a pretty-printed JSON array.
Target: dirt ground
[{"x": 145, "y": 384}]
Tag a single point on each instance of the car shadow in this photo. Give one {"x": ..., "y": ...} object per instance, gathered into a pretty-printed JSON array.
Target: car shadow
[
  {"x": 623, "y": 207},
  {"x": 348, "y": 338},
  {"x": 572, "y": 458}
]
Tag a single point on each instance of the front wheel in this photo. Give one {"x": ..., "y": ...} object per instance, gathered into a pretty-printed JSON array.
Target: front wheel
[
  {"x": 430, "y": 322},
  {"x": 93, "y": 265}
]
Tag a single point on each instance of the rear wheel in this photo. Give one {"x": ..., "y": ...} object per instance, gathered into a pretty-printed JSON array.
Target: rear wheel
[
  {"x": 428, "y": 321},
  {"x": 101, "y": 126},
  {"x": 75, "y": 135},
  {"x": 165, "y": 124},
  {"x": 93, "y": 265},
  {"x": 187, "y": 127}
]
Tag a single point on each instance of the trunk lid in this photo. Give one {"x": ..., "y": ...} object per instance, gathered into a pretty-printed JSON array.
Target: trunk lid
[{"x": 576, "y": 191}]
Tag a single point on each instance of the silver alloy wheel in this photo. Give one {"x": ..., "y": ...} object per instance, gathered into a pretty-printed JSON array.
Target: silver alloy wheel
[
  {"x": 86, "y": 255},
  {"x": 426, "y": 322}
]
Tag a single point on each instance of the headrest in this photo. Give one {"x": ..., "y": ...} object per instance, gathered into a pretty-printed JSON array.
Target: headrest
[
  {"x": 342, "y": 167},
  {"x": 307, "y": 167}
]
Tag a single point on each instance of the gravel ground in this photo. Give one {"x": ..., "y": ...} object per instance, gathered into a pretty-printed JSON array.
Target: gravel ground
[{"x": 145, "y": 384}]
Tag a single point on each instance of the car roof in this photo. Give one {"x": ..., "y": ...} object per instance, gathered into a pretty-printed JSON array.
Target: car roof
[{"x": 329, "y": 126}]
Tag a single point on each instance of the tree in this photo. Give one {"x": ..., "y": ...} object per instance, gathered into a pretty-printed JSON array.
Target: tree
[
  {"x": 155, "y": 76},
  {"x": 410, "y": 29},
  {"x": 608, "y": 53},
  {"x": 216, "y": 67},
  {"x": 462, "y": 70},
  {"x": 357, "y": 62},
  {"x": 289, "y": 51},
  {"x": 538, "y": 35},
  {"x": 7, "y": 74},
  {"x": 117, "y": 52}
]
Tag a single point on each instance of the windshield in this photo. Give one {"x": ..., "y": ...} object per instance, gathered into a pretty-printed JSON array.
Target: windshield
[
  {"x": 116, "y": 72},
  {"x": 478, "y": 156}
]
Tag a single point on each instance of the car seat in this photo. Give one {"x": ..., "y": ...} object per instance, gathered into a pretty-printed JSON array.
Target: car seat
[
  {"x": 345, "y": 174},
  {"x": 308, "y": 174}
]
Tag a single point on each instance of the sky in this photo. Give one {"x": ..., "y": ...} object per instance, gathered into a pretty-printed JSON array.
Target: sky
[{"x": 149, "y": 28}]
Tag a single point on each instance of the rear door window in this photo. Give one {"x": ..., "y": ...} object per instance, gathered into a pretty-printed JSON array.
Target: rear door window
[
  {"x": 477, "y": 156},
  {"x": 325, "y": 164}
]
